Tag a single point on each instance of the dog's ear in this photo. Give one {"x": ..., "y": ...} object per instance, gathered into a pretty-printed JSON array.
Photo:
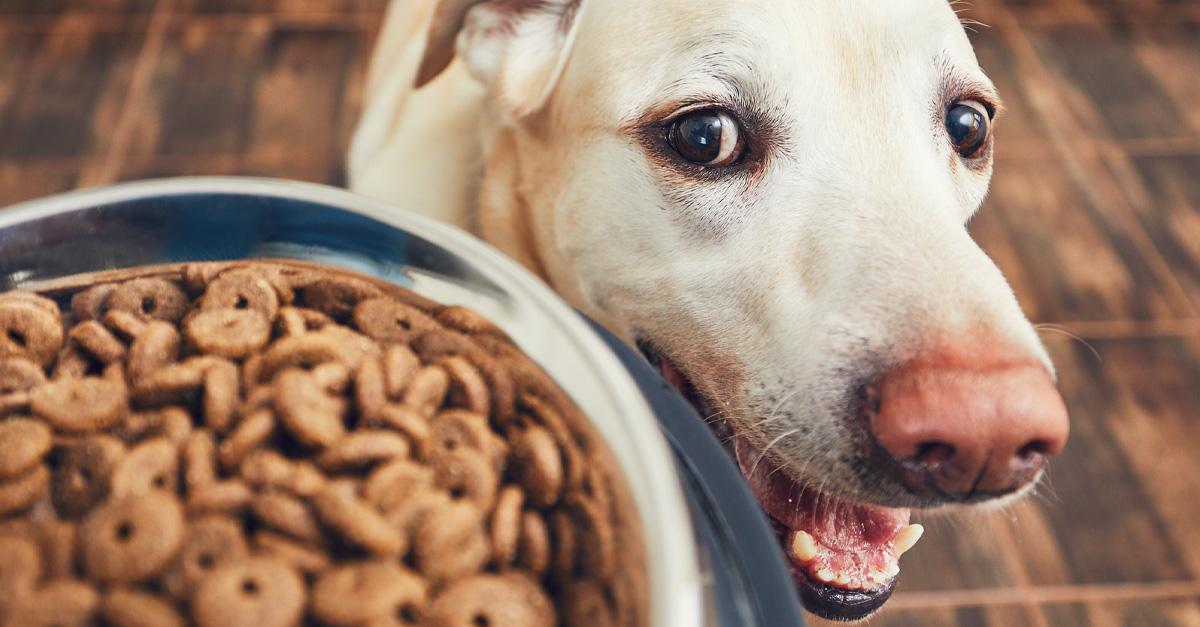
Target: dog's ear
[{"x": 515, "y": 47}]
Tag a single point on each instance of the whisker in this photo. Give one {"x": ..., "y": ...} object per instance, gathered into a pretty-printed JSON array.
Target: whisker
[{"x": 1054, "y": 328}]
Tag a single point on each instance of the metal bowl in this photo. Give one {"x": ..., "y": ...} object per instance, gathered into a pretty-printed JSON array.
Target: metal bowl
[{"x": 202, "y": 219}]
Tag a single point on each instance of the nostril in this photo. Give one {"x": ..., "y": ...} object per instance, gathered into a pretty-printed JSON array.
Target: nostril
[
  {"x": 1034, "y": 449},
  {"x": 934, "y": 452}
]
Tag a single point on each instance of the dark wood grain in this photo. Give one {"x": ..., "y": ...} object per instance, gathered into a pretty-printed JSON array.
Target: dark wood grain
[{"x": 1094, "y": 217}]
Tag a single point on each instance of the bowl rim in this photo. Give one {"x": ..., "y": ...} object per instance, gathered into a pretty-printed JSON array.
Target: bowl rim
[{"x": 672, "y": 557}]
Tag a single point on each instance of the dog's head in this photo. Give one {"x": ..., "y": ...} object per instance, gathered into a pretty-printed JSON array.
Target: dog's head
[{"x": 771, "y": 198}]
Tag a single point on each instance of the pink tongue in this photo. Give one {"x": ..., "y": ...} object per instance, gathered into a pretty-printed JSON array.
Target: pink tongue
[{"x": 845, "y": 528}]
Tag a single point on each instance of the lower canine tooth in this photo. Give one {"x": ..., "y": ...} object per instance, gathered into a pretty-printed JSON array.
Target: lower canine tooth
[
  {"x": 825, "y": 575},
  {"x": 803, "y": 546},
  {"x": 891, "y": 571},
  {"x": 907, "y": 537}
]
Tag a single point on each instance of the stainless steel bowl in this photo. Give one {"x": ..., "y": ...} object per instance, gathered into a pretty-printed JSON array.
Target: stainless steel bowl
[{"x": 201, "y": 219}]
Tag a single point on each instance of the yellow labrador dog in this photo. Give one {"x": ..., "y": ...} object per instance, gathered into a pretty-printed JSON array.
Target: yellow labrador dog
[{"x": 769, "y": 198}]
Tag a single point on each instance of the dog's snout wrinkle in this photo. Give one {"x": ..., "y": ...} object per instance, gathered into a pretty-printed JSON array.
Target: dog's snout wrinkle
[{"x": 960, "y": 428}]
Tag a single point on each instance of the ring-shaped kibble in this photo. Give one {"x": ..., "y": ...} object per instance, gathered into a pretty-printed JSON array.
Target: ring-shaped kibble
[
  {"x": 533, "y": 547},
  {"x": 199, "y": 459},
  {"x": 311, "y": 415},
  {"x": 427, "y": 391},
  {"x": 466, "y": 475},
  {"x": 231, "y": 496},
  {"x": 229, "y": 333},
  {"x": 538, "y": 466},
  {"x": 299, "y": 352},
  {"x": 242, "y": 289},
  {"x": 92, "y": 303},
  {"x": 20, "y": 566},
  {"x": 127, "y": 607},
  {"x": 33, "y": 299},
  {"x": 400, "y": 365},
  {"x": 29, "y": 331},
  {"x": 584, "y": 605},
  {"x": 511, "y": 600},
  {"x": 20, "y": 492},
  {"x": 222, "y": 393},
  {"x": 597, "y": 538},
  {"x": 356, "y": 521},
  {"x": 150, "y": 298},
  {"x": 387, "y": 320},
  {"x": 59, "y": 539},
  {"x": 131, "y": 539},
  {"x": 305, "y": 558},
  {"x": 468, "y": 321},
  {"x": 450, "y": 542},
  {"x": 300, "y": 320},
  {"x": 151, "y": 465},
  {"x": 370, "y": 395},
  {"x": 357, "y": 594},
  {"x": 124, "y": 324},
  {"x": 506, "y": 525},
  {"x": 288, "y": 515},
  {"x": 468, "y": 388},
  {"x": 82, "y": 472},
  {"x": 389, "y": 485},
  {"x": 23, "y": 443},
  {"x": 250, "y": 434},
  {"x": 269, "y": 470},
  {"x": 362, "y": 449},
  {"x": 18, "y": 374},
  {"x": 565, "y": 540},
  {"x": 408, "y": 422},
  {"x": 455, "y": 429},
  {"x": 157, "y": 345},
  {"x": 337, "y": 296},
  {"x": 79, "y": 405},
  {"x": 255, "y": 592},
  {"x": 211, "y": 542},
  {"x": 62, "y": 602},
  {"x": 95, "y": 339}
]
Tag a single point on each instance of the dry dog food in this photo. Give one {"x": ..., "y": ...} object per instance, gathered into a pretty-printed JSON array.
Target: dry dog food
[{"x": 272, "y": 444}]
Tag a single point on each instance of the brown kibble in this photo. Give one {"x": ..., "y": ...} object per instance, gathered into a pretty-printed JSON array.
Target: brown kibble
[
  {"x": 242, "y": 289},
  {"x": 150, "y": 298},
  {"x": 370, "y": 394},
  {"x": 81, "y": 478},
  {"x": 199, "y": 460},
  {"x": 28, "y": 331},
  {"x": 256, "y": 592},
  {"x": 412, "y": 425},
  {"x": 584, "y": 605},
  {"x": 538, "y": 466},
  {"x": 337, "y": 296},
  {"x": 229, "y": 333},
  {"x": 400, "y": 365},
  {"x": 456, "y": 429},
  {"x": 468, "y": 389},
  {"x": 331, "y": 376},
  {"x": 23, "y": 442},
  {"x": 362, "y": 449},
  {"x": 389, "y": 485},
  {"x": 533, "y": 551},
  {"x": 298, "y": 320},
  {"x": 131, "y": 539},
  {"x": 511, "y": 599},
  {"x": 467, "y": 475},
  {"x": 288, "y": 515},
  {"x": 20, "y": 568},
  {"x": 356, "y": 594},
  {"x": 151, "y": 465},
  {"x": 92, "y": 303},
  {"x": 246, "y": 438},
  {"x": 221, "y": 395},
  {"x": 298, "y": 351},
  {"x": 156, "y": 346},
  {"x": 427, "y": 390},
  {"x": 467, "y": 321},
  {"x": 124, "y": 323},
  {"x": 71, "y": 363},
  {"x": 565, "y": 542},
  {"x": 356, "y": 521},
  {"x": 268, "y": 470},
  {"x": 309, "y": 413},
  {"x": 20, "y": 492},
  {"x": 94, "y": 338},
  {"x": 171, "y": 383},
  {"x": 123, "y": 607},
  {"x": 387, "y": 320},
  {"x": 302, "y": 557},
  {"x": 212, "y": 541},
  {"x": 62, "y": 602},
  {"x": 597, "y": 540},
  {"x": 18, "y": 374},
  {"x": 221, "y": 497},
  {"x": 449, "y": 542},
  {"x": 506, "y": 525},
  {"x": 58, "y": 540}
]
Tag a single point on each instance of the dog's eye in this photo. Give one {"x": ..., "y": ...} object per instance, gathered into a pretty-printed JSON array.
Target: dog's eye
[
  {"x": 709, "y": 138},
  {"x": 969, "y": 126}
]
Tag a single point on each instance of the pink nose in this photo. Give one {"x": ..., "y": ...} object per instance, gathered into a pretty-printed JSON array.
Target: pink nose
[{"x": 964, "y": 426}]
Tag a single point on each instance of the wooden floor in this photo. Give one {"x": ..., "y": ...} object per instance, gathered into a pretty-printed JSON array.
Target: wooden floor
[{"x": 1094, "y": 217}]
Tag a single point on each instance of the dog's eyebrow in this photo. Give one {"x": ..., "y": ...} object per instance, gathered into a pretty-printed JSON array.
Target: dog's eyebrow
[{"x": 961, "y": 85}]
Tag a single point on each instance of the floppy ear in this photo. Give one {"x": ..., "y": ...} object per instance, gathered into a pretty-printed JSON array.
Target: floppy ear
[{"x": 517, "y": 48}]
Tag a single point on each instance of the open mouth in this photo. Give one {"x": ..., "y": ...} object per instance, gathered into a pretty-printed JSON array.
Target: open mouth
[{"x": 843, "y": 555}]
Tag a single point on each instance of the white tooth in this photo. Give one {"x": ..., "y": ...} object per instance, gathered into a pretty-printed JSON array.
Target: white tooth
[
  {"x": 907, "y": 538},
  {"x": 803, "y": 546},
  {"x": 825, "y": 575},
  {"x": 842, "y": 579},
  {"x": 890, "y": 571}
]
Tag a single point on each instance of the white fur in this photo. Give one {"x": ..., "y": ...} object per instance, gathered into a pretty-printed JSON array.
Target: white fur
[{"x": 846, "y": 255}]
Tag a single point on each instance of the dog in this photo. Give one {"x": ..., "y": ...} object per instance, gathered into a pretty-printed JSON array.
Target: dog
[{"x": 769, "y": 199}]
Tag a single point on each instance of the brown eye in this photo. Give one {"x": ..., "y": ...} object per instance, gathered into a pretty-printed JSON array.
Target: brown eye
[
  {"x": 709, "y": 138},
  {"x": 969, "y": 127}
]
